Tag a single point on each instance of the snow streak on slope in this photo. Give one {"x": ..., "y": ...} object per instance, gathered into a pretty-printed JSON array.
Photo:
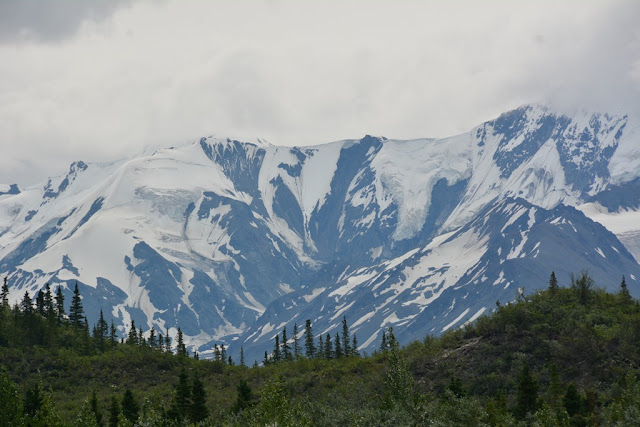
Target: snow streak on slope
[{"x": 233, "y": 240}]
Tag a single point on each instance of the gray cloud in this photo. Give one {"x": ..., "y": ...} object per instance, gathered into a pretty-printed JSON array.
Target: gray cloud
[
  {"x": 301, "y": 73},
  {"x": 39, "y": 20}
]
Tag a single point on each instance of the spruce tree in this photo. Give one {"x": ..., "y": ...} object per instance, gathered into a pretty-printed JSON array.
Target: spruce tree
[
  {"x": 113, "y": 339},
  {"x": 132, "y": 338},
  {"x": 102, "y": 332},
  {"x": 328, "y": 349},
  {"x": 309, "y": 347},
  {"x": 130, "y": 408},
  {"x": 198, "y": 410},
  {"x": 583, "y": 287},
  {"x": 572, "y": 400},
  {"x": 286, "y": 349},
  {"x": 60, "y": 313},
  {"x": 383, "y": 343},
  {"x": 40, "y": 303},
  {"x": 296, "y": 345},
  {"x": 114, "y": 412},
  {"x": 265, "y": 361},
  {"x": 181, "y": 403},
  {"x": 242, "y": 356},
  {"x": 4, "y": 296},
  {"x": 338, "y": 347},
  {"x": 26, "y": 307},
  {"x": 527, "y": 393},
  {"x": 553, "y": 283},
  {"x": 245, "y": 396},
  {"x": 33, "y": 400},
  {"x": 167, "y": 343},
  {"x": 354, "y": 347},
  {"x": 76, "y": 312},
  {"x": 624, "y": 291},
  {"x": 95, "y": 409},
  {"x": 346, "y": 341},
  {"x": 320, "y": 350},
  {"x": 152, "y": 338},
  {"x": 181, "y": 349},
  {"x": 223, "y": 354},
  {"x": 216, "y": 353},
  {"x": 50, "y": 312},
  {"x": 276, "y": 349}
]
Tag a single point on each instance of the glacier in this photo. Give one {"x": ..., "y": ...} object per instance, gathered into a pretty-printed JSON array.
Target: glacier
[{"x": 231, "y": 241}]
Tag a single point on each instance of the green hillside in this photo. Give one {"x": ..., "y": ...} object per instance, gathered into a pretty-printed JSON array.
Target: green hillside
[{"x": 564, "y": 356}]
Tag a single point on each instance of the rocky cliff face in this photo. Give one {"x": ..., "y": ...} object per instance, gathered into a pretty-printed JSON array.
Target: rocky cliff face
[{"x": 231, "y": 241}]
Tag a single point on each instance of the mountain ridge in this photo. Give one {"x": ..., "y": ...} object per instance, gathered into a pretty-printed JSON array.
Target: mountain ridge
[{"x": 214, "y": 235}]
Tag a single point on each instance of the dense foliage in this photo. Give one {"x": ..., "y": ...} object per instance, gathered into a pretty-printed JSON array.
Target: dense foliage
[{"x": 564, "y": 356}]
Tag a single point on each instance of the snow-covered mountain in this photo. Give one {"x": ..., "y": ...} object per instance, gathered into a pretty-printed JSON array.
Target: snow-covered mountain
[{"x": 232, "y": 241}]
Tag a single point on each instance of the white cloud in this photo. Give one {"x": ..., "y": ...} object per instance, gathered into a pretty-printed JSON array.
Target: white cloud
[{"x": 299, "y": 73}]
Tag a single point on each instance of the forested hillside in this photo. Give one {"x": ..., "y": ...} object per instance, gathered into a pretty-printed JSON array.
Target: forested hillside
[{"x": 562, "y": 356}]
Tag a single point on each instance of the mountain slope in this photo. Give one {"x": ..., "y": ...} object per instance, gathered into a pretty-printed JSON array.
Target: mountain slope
[{"x": 232, "y": 241}]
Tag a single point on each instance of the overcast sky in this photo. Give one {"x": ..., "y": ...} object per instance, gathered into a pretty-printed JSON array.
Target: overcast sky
[{"x": 98, "y": 80}]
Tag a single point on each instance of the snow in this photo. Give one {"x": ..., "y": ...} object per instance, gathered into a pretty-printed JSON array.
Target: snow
[
  {"x": 314, "y": 293},
  {"x": 600, "y": 252},
  {"x": 456, "y": 320},
  {"x": 475, "y": 316},
  {"x": 406, "y": 172}
]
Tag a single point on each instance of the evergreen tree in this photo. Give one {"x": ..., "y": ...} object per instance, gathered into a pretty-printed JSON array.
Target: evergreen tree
[
  {"x": 101, "y": 332},
  {"x": 583, "y": 287},
  {"x": 296, "y": 345},
  {"x": 354, "y": 346},
  {"x": 4, "y": 295},
  {"x": 383, "y": 343},
  {"x": 152, "y": 338},
  {"x": 216, "y": 353},
  {"x": 50, "y": 311},
  {"x": 309, "y": 347},
  {"x": 624, "y": 291},
  {"x": 223, "y": 354},
  {"x": 572, "y": 400},
  {"x": 10, "y": 404},
  {"x": 391, "y": 339},
  {"x": 26, "y": 308},
  {"x": 141, "y": 341},
  {"x": 167, "y": 343},
  {"x": 130, "y": 408},
  {"x": 114, "y": 412},
  {"x": 286, "y": 349},
  {"x": 76, "y": 312},
  {"x": 242, "y": 356},
  {"x": 553, "y": 283},
  {"x": 113, "y": 339},
  {"x": 346, "y": 341},
  {"x": 338, "y": 347},
  {"x": 181, "y": 402},
  {"x": 328, "y": 349},
  {"x": 276, "y": 349},
  {"x": 320, "y": 350},
  {"x": 181, "y": 350},
  {"x": 132, "y": 338},
  {"x": 40, "y": 303},
  {"x": 265, "y": 362},
  {"x": 33, "y": 400},
  {"x": 60, "y": 313},
  {"x": 245, "y": 396},
  {"x": 95, "y": 409},
  {"x": 527, "y": 393},
  {"x": 198, "y": 410}
]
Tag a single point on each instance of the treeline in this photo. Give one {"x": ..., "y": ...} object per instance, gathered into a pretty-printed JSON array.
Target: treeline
[{"x": 567, "y": 356}]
